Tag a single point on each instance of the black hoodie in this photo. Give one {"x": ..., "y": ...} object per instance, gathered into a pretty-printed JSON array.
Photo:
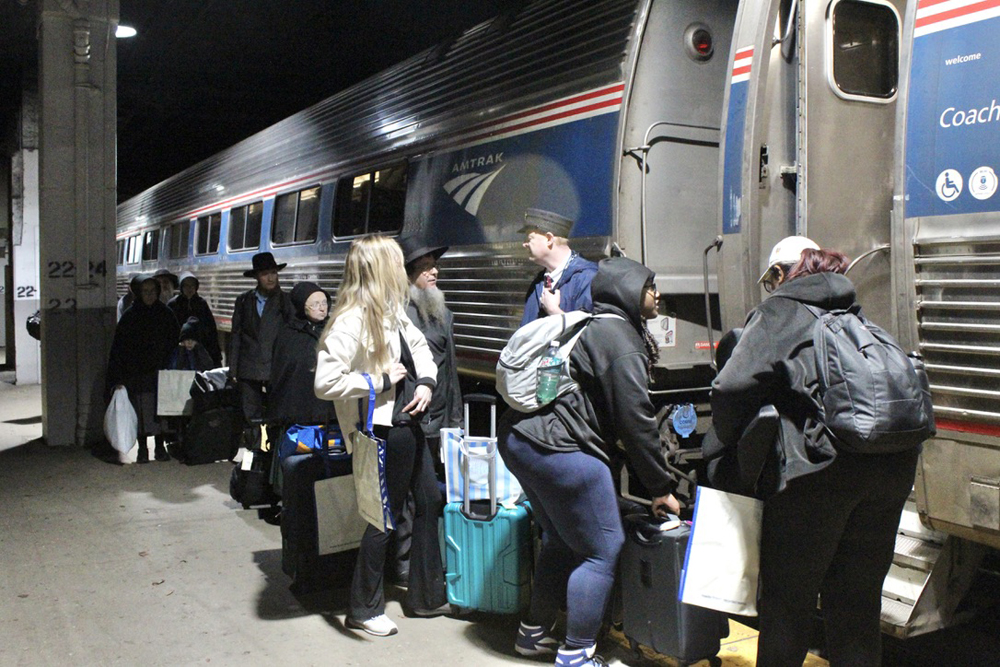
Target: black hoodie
[
  {"x": 609, "y": 362},
  {"x": 774, "y": 363},
  {"x": 291, "y": 399}
]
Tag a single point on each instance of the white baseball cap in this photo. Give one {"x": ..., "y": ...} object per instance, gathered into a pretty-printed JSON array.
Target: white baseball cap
[{"x": 787, "y": 251}]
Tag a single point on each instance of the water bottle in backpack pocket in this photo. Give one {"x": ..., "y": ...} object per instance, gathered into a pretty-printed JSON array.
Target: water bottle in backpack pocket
[{"x": 549, "y": 371}]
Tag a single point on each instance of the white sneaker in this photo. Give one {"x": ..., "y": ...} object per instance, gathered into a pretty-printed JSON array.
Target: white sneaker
[{"x": 380, "y": 625}]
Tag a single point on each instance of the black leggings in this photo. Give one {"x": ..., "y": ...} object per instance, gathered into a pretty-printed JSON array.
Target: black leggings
[{"x": 408, "y": 467}]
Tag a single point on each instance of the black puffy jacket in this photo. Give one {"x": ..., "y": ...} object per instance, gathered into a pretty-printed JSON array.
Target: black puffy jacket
[{"x": 609, "y": 363}]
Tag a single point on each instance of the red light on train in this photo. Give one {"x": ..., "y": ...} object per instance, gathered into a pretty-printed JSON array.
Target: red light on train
[{"x": 699, "y": 42}]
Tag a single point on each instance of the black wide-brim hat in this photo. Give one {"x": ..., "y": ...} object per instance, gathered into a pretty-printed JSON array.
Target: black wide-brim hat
[
  {"x": 263, "y": 261},
  {"x": 414, "y": 248}
]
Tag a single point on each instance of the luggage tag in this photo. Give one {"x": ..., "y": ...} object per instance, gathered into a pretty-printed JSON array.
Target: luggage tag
[{"x": 247, "y": 460}]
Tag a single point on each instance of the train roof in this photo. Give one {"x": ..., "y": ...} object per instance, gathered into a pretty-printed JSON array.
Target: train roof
[{"x": 544, "y": 50}]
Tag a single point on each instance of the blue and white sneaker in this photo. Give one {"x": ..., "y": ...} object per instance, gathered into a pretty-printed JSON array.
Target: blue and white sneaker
[
  {"x": 534, "y": 640},
  {"x": 579, "y": 657}
]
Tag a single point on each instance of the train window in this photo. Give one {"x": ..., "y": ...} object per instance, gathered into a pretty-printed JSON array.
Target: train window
[
  {"x": 120, "y": 250},
  {"x": 151, "y": 245},
  {"x": 371, "y": 202},
  {"x": 244, "y": 226},
  {"x": 208, "y": 230},
  {"x": 864, "y": 49},
  {"x": 177, "y": 239},
  {"x": 134, "y": 250},
  {"x": 296, "y": 217}
]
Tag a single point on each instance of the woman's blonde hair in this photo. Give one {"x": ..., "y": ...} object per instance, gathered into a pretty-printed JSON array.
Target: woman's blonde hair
[{"x": 374, "y": 282}]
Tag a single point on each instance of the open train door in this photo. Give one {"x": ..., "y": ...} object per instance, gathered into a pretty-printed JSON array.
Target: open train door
[{"x": 809, "y": 133}]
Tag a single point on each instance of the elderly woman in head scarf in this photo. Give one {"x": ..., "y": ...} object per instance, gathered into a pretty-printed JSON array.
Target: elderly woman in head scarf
[{"x": 144, "y": 340}]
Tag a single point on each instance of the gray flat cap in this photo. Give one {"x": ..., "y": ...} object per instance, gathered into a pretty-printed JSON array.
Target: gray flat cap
[{"x": 546, "y": 221}]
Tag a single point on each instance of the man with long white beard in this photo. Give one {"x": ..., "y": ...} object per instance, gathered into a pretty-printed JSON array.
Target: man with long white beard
[{"x": 428, "y": 311}]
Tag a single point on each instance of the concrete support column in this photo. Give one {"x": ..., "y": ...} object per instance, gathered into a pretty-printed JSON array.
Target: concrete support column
[{"x": 77, "y": 80}]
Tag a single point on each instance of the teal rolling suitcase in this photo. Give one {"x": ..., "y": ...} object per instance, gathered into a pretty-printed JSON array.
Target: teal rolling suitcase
[{"x": 487, "y": 547}]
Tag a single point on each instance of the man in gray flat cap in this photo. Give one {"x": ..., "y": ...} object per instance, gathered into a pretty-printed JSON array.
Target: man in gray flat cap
[{"x": 563, "y": 284}]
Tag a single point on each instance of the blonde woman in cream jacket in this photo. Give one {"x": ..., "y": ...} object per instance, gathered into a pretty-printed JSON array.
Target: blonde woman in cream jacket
[{"x": 364, "y": 336}]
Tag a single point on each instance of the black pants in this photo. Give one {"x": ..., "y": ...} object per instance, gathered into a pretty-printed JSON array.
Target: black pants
[
  {"x": 253, "y": 402},
  {"x": 408, "y": 468},
  {"x": 831, "y": 534}
]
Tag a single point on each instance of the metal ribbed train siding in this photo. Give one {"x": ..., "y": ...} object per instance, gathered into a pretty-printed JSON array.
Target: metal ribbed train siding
[{"x": 958, "y": 295}]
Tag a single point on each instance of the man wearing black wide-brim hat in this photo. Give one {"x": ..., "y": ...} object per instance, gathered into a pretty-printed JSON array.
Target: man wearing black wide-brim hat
[
  {"x": 258, "y": 316},
  {"x": 428, "y": 311}
]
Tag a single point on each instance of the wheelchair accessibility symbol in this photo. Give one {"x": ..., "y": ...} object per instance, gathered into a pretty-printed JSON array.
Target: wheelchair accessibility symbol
[{"x": 949, "y": 184}]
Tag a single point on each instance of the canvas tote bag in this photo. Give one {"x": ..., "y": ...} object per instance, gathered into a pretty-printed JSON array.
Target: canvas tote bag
[
  {"x": 368, "y": 460},
  {"x": 723, "y": 554}
]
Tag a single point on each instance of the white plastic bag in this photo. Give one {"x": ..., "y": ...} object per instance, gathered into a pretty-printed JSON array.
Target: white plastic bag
[
  {"x": 120, "y": 422},
  {"x": 723, "y": 554}
]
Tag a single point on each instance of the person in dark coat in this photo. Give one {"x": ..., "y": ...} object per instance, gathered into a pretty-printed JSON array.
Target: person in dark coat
[
  {"x": 831, "y": 528},
  {"x": 563, "y": 284},
  {"x": 144, "y": 339},
  {"x": 168, "y": 283},
  {"x": 428, "y": 311},
  {"x": 188, "y": 303},
  {"x": 130, "y": 295},
  {"x": 190, "y": 354},
  {"x": 258, "y": 315},
  {"x": 562, "y": 456},
  {"x": 293, "y": 364}
]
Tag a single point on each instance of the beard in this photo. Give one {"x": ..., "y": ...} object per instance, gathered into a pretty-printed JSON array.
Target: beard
[{"x": 429, "y": 303}]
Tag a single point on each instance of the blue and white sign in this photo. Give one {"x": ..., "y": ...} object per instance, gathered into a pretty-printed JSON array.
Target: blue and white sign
[{"x": 953, "y": 121}]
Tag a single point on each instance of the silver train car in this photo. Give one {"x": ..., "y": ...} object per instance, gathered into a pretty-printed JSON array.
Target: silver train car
[
  {"x": 868, "y": 125},
  {"x": 605, "y": 111},
  {"x": 872, "y": 127}
]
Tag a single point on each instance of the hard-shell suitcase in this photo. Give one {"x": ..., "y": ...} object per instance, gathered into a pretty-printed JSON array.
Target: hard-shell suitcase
[
  {"x": 487, "y": 547},
  {"x": 319, "y": 539},
  {"x": 211, "y": 436},
  {"x": 650, "y": 573}
]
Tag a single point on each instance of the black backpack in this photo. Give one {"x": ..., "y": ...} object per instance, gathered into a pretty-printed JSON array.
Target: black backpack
[{"x": 875, "y": 398}]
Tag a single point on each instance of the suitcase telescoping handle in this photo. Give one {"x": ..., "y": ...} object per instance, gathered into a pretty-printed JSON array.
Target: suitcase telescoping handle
[
  {"x": 469, "y": 399},
  {"x": 490, "y": 456}
]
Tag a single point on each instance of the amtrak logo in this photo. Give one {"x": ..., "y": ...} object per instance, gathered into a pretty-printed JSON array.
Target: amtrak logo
[{"x": 469, "y": 189}]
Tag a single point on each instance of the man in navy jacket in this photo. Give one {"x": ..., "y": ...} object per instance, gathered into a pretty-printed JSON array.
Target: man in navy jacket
[{"x": 563, "y": 285}]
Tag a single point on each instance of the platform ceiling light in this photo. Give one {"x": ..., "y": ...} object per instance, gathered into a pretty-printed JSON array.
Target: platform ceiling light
[{"x": 125, "y": 31}]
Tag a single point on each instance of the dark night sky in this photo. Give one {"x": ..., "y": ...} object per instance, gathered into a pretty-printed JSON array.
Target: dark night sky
[{"x": 203, "y": 74}]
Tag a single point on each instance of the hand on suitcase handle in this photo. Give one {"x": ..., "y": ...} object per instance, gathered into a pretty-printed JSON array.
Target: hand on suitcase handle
[{"x": 665, "y": 505}]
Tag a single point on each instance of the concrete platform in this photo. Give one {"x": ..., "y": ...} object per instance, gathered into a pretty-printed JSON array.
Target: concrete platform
[{"x": 103, "y": 564}]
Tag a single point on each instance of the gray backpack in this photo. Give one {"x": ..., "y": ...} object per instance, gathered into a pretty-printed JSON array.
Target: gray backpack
[
  {"x": 517, "y": 370},
  {"x": 876, "y": 399}
]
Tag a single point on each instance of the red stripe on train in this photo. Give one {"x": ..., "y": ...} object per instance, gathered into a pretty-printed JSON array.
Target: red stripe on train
[
  {"x": 967, "y": 427},
  {"x": 956, "y": 13}
]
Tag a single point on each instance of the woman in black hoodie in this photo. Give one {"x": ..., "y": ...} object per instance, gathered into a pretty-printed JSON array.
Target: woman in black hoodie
[
  {"x": 831, "y": 527},
  {"x": 144, "y": 340},
  {"x": 561, "y": 454},
  {"x": 291, "y": 399}
]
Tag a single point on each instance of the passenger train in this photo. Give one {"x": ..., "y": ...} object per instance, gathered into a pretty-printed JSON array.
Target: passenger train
[{"x": 691, "y": 136}]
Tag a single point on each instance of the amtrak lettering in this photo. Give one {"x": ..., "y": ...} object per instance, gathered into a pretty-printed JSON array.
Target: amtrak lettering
[
  {"x": 952, "y": 117},
  {"x": 476, "y": 162}
]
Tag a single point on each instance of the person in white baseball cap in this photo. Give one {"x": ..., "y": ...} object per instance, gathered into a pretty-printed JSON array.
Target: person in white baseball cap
[{"x": 784, "y": 255}]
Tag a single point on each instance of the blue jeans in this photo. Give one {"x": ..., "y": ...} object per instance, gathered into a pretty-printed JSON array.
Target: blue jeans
[{"x": 574, "y": 500}]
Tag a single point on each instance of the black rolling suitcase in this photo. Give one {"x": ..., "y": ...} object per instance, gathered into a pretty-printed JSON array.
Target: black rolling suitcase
[
  {"x": 320, "y": 525},
  {"x": 250, "y": 482},
  {"x": 211, "y": 436},
  {"x": 650, "y": 573}
]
